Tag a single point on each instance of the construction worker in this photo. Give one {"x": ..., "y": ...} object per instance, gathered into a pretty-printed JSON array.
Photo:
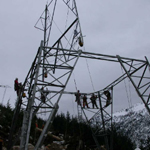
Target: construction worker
[
  {"x": 108, "y": 95},
  {"x": 43, "y": 95},
  {"x": 77, "y": 95},
  {"x": 17, "y": 86},
  {"x": 93, "y": 100},
  {"x": 85, "y": 101},
  {"x": 36, "y": 124}
]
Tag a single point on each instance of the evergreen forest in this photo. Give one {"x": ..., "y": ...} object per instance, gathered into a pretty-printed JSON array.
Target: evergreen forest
[{"x": 65, "y": 125}]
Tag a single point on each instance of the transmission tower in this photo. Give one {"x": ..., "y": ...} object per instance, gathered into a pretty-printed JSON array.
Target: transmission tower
[
  {"x": 4, "y": 86},
  {"x": 50, "y": 71},
  {"x": 53, "y": 66}
]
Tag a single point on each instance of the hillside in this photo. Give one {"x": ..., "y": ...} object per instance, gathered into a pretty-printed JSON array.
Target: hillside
[
  {"x": 134, "y": 123},
  {"x": 128, "y": 124}
]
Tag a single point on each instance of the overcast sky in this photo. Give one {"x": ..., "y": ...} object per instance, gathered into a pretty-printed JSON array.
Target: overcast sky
[{"x": 118, "y": 27}]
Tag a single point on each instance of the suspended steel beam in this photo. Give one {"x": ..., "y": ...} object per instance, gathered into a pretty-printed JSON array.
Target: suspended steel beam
[{"x": 98, "y": 56}]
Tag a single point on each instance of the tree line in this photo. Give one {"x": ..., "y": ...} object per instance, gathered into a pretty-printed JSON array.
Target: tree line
[{"x": 66, "y": 125}]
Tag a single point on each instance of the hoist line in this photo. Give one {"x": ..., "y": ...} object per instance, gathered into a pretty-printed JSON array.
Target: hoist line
[
  {"x": 51, "y": 22},
  {"x": 59, "y": 28},
  {"x": 127, "y": 92},
  {"x": 62, "y": 35},
  {"x": 89, "y": 72},
  {"x": 75, "y": 82},
  {"x": 129, "y": 98},
  {"x": 67, "y": 17},
  {"x": 130, "y": 92}
]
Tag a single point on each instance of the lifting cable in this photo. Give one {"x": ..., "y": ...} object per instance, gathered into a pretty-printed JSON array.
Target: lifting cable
[
  {"x": 128, "y": 95},
  {"x": 67, "y": 16},
  {"x": 77, "y": 104},
  {"x": 129, "y": 99},
  {"x": 51, "y": 22},
  {"x": 60, "y": 31},
  {"x": 75, "y": 82},
  {"x": 89, "y": 72}
]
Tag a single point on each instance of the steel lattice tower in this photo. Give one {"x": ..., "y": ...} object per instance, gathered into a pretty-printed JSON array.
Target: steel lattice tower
[
  {"x": 52, "y": 68},
  {"x": 50, "y": 71}
]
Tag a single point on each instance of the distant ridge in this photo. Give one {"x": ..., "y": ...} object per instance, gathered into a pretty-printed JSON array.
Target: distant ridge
[{"x": 134, "y": 122}]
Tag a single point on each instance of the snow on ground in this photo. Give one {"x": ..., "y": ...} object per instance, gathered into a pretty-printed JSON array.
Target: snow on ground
[{"x": 139, "y": 107}]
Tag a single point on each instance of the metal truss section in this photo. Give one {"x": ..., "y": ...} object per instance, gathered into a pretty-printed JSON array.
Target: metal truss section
[
  {"x": 138, "y": 71},
  {"x": 58, "y": 65},
  {"x": 97, "y": 56},
  {"x": 139, "y": 75},
  {"x": 71, "y": 5},
  {"x": 101, "y": 121},
  {"x": 49, "y": 22},
  {"x": 38, "y": 84},
  {"x": 53, "y": 66}
]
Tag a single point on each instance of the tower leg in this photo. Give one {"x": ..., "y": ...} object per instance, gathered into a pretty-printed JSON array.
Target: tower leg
[
  {"x": 46, "y": 127},
  {"x": 28, "y": 114}
]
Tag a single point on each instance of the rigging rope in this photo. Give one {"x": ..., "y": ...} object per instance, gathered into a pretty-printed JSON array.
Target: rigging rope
[
  {"x": 51, "y": 23},
  {"x": 130, "y": 93},
  {"x": 68, "y": 41},
  {"x": 75, "y": 82},
  {"x": 89, "y": 72},
  {"x": 67, "y": 16},
  {"x": 128, "y": 97}
]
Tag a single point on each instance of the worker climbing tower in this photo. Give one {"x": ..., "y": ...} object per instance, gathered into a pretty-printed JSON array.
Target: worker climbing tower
[
  {"x": 101, "y": 121},
  {"x": 53, "y": 66}
]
